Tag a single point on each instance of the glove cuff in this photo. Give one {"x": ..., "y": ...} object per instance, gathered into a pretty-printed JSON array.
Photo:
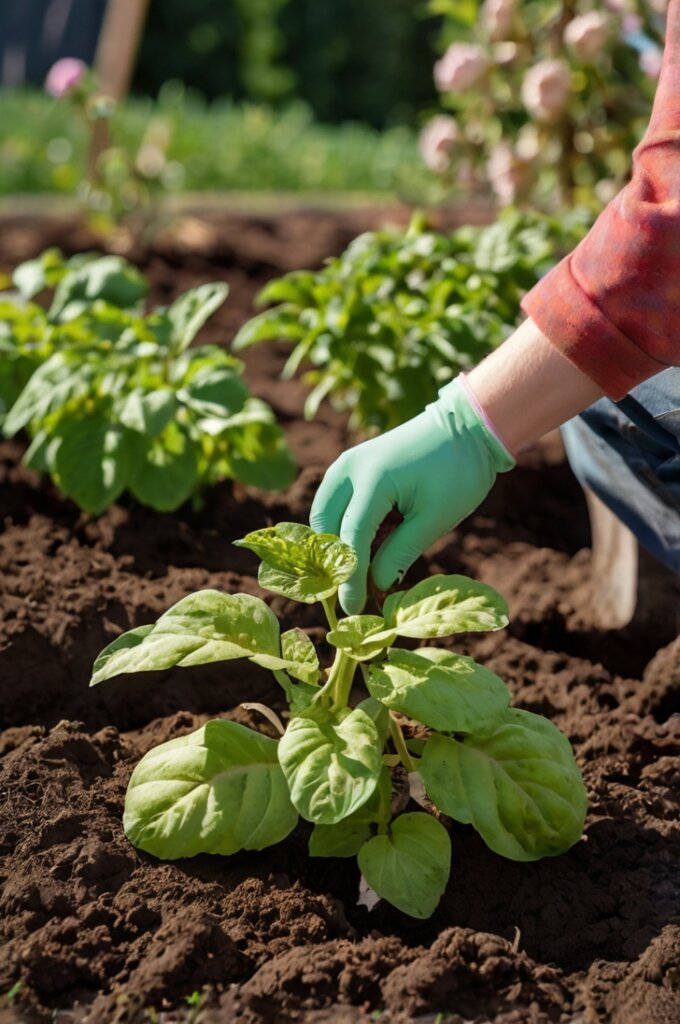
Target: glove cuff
[{"x": 458, "y": 399}]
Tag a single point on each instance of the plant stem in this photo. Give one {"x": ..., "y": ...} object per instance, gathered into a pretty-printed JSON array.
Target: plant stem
[
  {"x": 329, "y": 608},
  {"x": 339, "y": 682},
  {"x": 398, "y": 740},
  {"x": 343, "y": 682}
]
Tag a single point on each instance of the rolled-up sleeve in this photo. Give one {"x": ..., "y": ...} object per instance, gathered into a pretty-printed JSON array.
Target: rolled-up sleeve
[{"x": 613, "y": 306}]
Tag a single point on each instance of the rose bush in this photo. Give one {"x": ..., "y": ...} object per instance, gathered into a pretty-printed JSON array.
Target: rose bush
[
  {"x": 543, "y": 101},
  {"x": 545, "y": 89},
  {"x": 437, "y": 142},
  {"x": 587, "y": 34},
  {"x": 462, "y": 66}
]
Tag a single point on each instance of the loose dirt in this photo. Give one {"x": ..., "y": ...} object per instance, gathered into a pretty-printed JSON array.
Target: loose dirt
[{"x": 96, "y": 932}]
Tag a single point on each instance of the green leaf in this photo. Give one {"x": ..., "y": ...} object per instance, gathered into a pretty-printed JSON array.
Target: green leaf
[
  {"x": 92, "y": 461},
  {"x": 205, "y": 627},
  {"x": 442, "y": 605},
  {"x": 281, "y": 323},
  {"x": 520, "y": 787},
  {"x": 56, "y": 382},
  {"x": 495, "y": 250},
  {"x": 317, "y": 394},
  {"x": 148, "y": 412},
  {"x": 259, "y": 456},
  {"x": 332, "y": 763},
  {"x": 36, "y": 455},
  {"x": 461, "y": 14},
  {"x": 111, "y": 279},
  {"x": 299, "y": 563},
  {"x": 296, "y": 287},
  {"x": 343, "y": 839},
  {"x": 190, "y": 311},
  {"x": 446, "y": 691},
  {"x": 218, "y": 790},
  {"x": 361, "y": 636},
  {"x": 215, "y": 392},
  {"x": 346, "y": 837},
  {"x": 165, "y": 473},
  {"x": 379, "y": 715},
  {"x": 409, "y": 867},
  {"x": 300, "y": 696},
  {"x": 300, "y": 653},
  {"x": 34, "y": 276},
  {"x": 299, "y": 659}
]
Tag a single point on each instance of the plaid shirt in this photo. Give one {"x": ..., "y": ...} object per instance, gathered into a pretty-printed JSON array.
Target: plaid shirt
[{"x": 613, "y": 306}]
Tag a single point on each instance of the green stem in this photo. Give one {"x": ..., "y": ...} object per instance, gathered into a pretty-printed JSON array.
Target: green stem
[
  {"x": 337, "y": 688},
  {"x": 344, "y": 680},
  {"x": 398, "y": 740},
  {"x": 329, "y": 608}
]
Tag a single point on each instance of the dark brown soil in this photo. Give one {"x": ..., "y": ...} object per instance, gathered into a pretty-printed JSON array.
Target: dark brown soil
[{"x": 97, "y": 932}]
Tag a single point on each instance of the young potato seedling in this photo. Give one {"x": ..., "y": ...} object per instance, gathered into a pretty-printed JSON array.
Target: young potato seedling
[
  {"x": 379, "y": 329},
  {"x": 116, "y": 399},
  {"x": 224, "y": 788}
]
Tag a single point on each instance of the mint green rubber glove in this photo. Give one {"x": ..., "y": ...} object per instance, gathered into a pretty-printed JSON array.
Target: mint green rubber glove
[{"x": 435, "y": 469}]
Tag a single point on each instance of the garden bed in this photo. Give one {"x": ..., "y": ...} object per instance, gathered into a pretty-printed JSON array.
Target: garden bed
[{"x": 96, "y": 931}]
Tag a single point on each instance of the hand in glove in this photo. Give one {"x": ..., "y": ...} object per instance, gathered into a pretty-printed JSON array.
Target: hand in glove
[{"x": 435, "y": 469}]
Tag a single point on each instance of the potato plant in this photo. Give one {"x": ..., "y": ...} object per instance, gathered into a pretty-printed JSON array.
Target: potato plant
[
  {"x": 115, "y": 399},
  {"x": 224, "y": 788},
  {"x": 381, "y": 328}
]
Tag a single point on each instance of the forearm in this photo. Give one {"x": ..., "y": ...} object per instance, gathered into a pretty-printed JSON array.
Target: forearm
[{"x": 527, "y": 387}]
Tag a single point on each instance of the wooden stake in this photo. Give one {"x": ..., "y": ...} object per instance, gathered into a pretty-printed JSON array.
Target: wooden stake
[
  {"x": 114, "y": 64},
  {"x": 614, "y": 568},
  {"x": 118, "y": 45}
]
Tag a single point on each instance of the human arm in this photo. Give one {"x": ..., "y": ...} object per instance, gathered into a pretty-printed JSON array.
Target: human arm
[{"x": 439, "y": 466}]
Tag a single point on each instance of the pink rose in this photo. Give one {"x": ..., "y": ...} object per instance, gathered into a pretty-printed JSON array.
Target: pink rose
[
  {"x": 436, "y": 142},
  {"x": 545, "y": 89},
  {"x": 497, "y": 18},
  {"x": 587, "y": 34},
  {"x": 507, "y": 173},
  {"x": 64, "y": 76},
  {"x": 651, "y": 61},
  {"x": 462, "y": 66}
]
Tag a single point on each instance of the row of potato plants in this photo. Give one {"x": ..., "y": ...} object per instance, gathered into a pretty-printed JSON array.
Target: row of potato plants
[{"x": 118, "y": 399}]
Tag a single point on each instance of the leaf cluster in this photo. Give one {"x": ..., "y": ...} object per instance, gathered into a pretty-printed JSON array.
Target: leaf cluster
[
  {"x": 509, "y": 773},
  {"x": 398, "y": 314},
  {"x": 114, "y": 398}
]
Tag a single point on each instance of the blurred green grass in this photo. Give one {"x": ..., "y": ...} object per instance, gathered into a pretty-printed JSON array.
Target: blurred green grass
[{"x": 216, "y": 146}]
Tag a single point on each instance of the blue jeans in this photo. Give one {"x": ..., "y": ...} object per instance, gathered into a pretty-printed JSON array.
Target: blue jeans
[{"x": 628, "y": 453}]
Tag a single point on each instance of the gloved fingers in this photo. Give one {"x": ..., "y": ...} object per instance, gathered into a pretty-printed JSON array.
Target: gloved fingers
[
  {"x": 364, "y": 514},
  {"x": 331, "y": 500},
  {"x": 407, "y": 543}
]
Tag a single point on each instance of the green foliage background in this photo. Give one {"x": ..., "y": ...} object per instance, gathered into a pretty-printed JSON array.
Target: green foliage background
[{"x": 347, "y": 59}]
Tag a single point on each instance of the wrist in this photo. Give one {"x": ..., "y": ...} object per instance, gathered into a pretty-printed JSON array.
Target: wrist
[
  {"x": 527, "y": 387},
  {"x": 483, "y": 415},
  {"x": 458, "y": 401}
]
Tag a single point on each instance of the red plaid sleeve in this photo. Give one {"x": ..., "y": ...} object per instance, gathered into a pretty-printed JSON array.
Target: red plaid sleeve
[{"x": 613, "y": 306}]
